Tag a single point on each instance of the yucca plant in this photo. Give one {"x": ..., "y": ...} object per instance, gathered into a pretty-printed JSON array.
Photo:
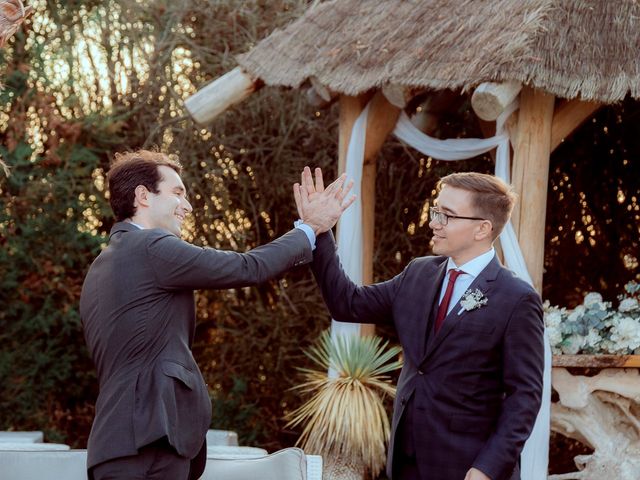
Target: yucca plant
[{"x": 345, "y": 416}]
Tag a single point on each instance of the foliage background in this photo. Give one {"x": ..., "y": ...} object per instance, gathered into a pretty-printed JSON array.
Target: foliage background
[{"x": 85, "y": 79}]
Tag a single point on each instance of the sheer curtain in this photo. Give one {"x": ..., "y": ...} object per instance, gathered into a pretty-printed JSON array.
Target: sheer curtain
[{"x": 534, "y": 460}]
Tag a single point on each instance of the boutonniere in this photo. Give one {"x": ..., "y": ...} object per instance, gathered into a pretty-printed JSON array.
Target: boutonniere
[{"x": 472, "y": 300}]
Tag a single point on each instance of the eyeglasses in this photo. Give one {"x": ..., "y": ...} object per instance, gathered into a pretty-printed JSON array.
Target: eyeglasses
[{"x": 443, "y": 218}]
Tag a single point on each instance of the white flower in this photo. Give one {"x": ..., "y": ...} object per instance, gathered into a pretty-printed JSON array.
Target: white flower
[
  {"x": 626, "y": 334},
  {"x": 628, "y": 305},
  {"x": 591, "y": 299},
  {"x": 576, "y": 314},
  {"x": 593, "y": 339},
  {"x": 572, "y": 344},
  {"x": 555, "y": 335},
  {"x": 553, "y": 318},
  {"x": 472, "y": 300}
]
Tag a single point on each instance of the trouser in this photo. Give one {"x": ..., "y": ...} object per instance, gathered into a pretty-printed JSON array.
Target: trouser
[
  {"x": 156, "y": 461},
  {"x": 405, "y": 466}
]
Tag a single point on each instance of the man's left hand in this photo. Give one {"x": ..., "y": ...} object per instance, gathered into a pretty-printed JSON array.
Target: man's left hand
[
  {"x": 320, "y": 207},
  {"x": 475, "y": 474}
]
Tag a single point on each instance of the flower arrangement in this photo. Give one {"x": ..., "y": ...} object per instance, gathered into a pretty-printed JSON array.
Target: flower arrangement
[{"x": 595, "y": 327}]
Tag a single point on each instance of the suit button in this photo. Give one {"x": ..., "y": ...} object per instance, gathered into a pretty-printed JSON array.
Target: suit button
[
  {"x": 403, "y": 400},
  {"x": 420, "y": 372}
]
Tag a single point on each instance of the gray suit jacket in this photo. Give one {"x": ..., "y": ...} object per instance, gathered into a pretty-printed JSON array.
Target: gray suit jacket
[{"x": 138, "y": 314}]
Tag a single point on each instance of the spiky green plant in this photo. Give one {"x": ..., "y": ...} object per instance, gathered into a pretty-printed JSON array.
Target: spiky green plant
[{"x": 345, "y": 416}]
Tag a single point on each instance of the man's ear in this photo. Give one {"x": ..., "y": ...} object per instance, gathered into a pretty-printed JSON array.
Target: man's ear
[
  {"x": 141, "y": 197},
  {"x": 484, "y": 231}
]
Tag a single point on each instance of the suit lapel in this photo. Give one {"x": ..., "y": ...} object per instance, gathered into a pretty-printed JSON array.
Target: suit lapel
[
  {"x": 430, "y": 296},
  {"x": 483, "y": 282}
]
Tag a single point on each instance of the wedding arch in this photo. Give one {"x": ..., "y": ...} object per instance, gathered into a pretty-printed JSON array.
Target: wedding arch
[{"x": 538, "y": 68}]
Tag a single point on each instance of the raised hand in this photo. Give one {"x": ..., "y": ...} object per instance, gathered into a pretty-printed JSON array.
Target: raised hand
[{"x": 321, "y": 207}]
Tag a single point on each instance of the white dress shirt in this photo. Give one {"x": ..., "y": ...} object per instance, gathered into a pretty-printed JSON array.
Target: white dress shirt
[{"x": 471, "y": 270}]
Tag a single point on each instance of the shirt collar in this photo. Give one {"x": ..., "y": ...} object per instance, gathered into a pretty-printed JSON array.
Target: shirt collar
[
  {"x": 136, "y": 225},
  {"x": 474, "y": 266}
]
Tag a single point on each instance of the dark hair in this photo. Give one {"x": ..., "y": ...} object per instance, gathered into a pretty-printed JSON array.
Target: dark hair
[
  {"x": 493, "y": 199},
  {"x": 128, "y": 171}
]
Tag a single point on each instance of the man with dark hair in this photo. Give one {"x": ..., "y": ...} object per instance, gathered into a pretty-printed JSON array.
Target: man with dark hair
[
  {"x": 471, "y": 331},
  {"x": 138, "y": 314}
]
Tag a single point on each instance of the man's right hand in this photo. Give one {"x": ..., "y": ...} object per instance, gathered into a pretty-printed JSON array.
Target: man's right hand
[{"x": 321, "y": 207}]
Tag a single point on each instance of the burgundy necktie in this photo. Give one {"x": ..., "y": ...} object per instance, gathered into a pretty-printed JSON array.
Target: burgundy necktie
[{"x": 444, "y": 305}]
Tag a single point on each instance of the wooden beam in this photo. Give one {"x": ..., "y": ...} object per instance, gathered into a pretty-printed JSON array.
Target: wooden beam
[
  {"x": 597, "y": 361},
  {"x": 531, "y": 175},
  {"x": 350, "y": 110},
  {"x": 380, "y": 122},
  {"x": 398, "y": 95},
  {"x": 568, "y": 116},
  {"x": 490, "y": 99},
  {"x": 213, "y": 99}
]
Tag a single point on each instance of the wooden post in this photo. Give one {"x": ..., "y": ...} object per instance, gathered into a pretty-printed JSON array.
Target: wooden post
[
  {"x": 568, "y": 116},
  {"x": 531, "y": 176},
  {"x": 382, "y": 119},
  {"x": 350, "y": 110},
  {"x": 213, "y": 99},
  {"x": 489, "y": 100},
  {"x": 380, "y": 122}
]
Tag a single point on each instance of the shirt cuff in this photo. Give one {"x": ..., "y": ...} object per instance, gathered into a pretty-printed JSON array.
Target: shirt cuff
[{"x": 308, "y": 231}]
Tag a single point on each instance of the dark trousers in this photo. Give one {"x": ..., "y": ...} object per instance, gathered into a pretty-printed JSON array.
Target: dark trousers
[
  {"x": 156, "y": 461},
  {"x": 405, "y": 466}
]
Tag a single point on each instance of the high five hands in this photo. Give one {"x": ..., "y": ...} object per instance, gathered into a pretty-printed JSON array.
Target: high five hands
[{"x": 321, "y": 207}]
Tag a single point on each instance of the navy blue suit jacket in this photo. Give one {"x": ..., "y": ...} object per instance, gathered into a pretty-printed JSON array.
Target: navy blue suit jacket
[{"x": 477, "y": 383}]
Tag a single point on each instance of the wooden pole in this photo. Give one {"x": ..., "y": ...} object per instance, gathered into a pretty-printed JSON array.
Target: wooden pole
[
  {"x": 213, "y": 99},
  {"x": 490, "y": 99},
  {"x": 380, "y": 122},
  {"x": 382, "y": 119},
  {"x": 350, "y": 110},
  {"x": 531, "y": 175}
]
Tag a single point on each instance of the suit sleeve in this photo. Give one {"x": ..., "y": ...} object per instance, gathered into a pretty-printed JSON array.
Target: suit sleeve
[
  {"x": 523, "y": 366},
  {"x": 348, "y": 302},
  {"x": 178, "y": 264}
]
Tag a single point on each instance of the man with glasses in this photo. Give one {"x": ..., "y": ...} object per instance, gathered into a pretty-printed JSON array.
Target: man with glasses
[{"x": 472, "y": 334}]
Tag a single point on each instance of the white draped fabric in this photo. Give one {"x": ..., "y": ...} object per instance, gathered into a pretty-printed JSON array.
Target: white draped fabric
[{"x": 534, "y": 461}]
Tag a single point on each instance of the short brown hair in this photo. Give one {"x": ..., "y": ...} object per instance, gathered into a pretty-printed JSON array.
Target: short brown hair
[
  {"x": 130, "y": 169},
  {"x": 493, "y": 198}
]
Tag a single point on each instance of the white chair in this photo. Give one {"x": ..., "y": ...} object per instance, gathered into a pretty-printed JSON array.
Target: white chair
[
  {"x": 234, "y": 452},
  {"x": 33, "y": 447},
  {"x": 27, "y": 437},
  {"x": 43, "y": 465},
  {"x": 222, "y": 437},
  {"x": 286, "y": 464}
]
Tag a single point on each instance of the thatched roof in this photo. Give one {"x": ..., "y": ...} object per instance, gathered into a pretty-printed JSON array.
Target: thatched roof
[{"x": 571, "y": 48}]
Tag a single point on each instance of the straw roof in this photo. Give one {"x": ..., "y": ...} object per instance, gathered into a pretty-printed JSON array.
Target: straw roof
[{"x": 572, "y": 48}]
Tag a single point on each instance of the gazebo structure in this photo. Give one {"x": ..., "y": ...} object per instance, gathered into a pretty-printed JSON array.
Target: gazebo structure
[{"x": 559, "y": 59}]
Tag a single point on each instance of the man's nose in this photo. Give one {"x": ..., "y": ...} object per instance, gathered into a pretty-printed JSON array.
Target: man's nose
[{"x": 187, "y": 206}]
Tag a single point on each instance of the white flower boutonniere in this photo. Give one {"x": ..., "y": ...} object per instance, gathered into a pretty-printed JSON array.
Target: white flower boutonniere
[{"x": 472, "y": 300}]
